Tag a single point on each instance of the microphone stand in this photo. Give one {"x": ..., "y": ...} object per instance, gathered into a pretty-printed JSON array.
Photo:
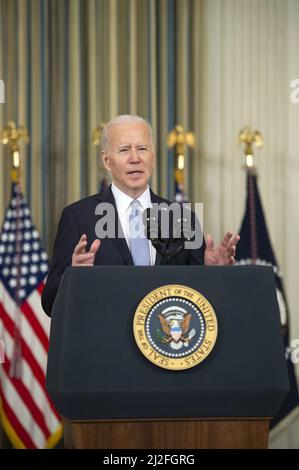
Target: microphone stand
[{"x": 164, "y": 245}]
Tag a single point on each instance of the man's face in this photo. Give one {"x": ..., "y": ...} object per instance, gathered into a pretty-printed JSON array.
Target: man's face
[{"x": 130, "y": 157}]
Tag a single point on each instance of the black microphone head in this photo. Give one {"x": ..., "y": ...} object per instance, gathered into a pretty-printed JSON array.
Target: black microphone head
[{"x": 151, "y": 223}]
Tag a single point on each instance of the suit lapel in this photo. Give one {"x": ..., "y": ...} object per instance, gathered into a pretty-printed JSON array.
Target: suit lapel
[{"x": 119, "y": 241}]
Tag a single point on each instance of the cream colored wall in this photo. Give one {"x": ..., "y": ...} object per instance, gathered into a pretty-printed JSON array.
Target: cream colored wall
[
  {"x": 249, "y": 57},
  {"x": 291, "y": 228}
]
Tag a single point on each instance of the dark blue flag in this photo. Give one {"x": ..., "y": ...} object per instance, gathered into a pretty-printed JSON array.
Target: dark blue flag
[{"x": 255, "y": 247}]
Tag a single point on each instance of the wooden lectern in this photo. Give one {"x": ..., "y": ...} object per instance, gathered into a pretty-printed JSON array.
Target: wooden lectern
[
  {"x": 112, "y": 397},
  {"x": 182, "y": 434}
]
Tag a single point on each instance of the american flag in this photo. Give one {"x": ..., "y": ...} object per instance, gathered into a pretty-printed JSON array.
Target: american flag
[
  {"x": 255, "y": 247},
  {"x": 26, "y": 412}
]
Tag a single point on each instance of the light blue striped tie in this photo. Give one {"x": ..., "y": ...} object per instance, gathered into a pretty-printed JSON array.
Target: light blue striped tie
[{"x": 139, "y": 244}]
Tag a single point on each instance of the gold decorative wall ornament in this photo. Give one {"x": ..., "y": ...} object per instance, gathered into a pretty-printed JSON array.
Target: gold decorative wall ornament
[
  {"x": 97, "y": 134},
  {"x": 249, "y": 139},
  {"x": 11, "y": 135},
  {"x": 179, "y": 139}
]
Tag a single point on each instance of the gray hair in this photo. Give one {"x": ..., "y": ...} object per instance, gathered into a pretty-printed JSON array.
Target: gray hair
[{"x": 123, "y": 118}]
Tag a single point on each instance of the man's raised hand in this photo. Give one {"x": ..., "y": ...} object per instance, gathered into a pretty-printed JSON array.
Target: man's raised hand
[
  {"x": 81, "y": 257},
  {"x": 225, "y": 253}
]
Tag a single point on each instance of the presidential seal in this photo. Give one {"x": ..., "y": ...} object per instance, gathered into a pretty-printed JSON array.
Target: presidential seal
[{"x": 175, "y": 327}]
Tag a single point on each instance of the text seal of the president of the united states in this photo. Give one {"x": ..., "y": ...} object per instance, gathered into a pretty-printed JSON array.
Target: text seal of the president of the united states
[{"x": 175, "y": 327}]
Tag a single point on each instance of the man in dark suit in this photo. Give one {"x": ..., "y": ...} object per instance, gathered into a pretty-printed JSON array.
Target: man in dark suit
[{"x": 128, "y": 154}]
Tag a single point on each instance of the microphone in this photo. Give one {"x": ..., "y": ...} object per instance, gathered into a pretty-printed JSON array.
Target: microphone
[
  {"x": 152, "y": 226},
  {"x": 168, "y": 238}
]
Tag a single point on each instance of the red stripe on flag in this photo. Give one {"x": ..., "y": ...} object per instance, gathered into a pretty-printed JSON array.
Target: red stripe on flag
[
  {"x": 24, "y": 393},
  {"x": 38, "y": 329},
  {"x": 16, "y": 425},
  {"x": 40, "y": 287},
  {"x": 27, "y": 354}
]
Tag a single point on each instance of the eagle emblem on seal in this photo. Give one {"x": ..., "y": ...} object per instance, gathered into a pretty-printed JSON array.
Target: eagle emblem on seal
[{"x": 175, "y": 323}]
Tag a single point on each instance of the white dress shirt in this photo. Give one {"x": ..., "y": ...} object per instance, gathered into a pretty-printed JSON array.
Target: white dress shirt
[{"x": 123, "y": 201}]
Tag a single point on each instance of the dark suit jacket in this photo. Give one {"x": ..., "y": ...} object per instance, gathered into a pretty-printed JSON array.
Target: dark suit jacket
[{"x": 79, "y": 218}]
